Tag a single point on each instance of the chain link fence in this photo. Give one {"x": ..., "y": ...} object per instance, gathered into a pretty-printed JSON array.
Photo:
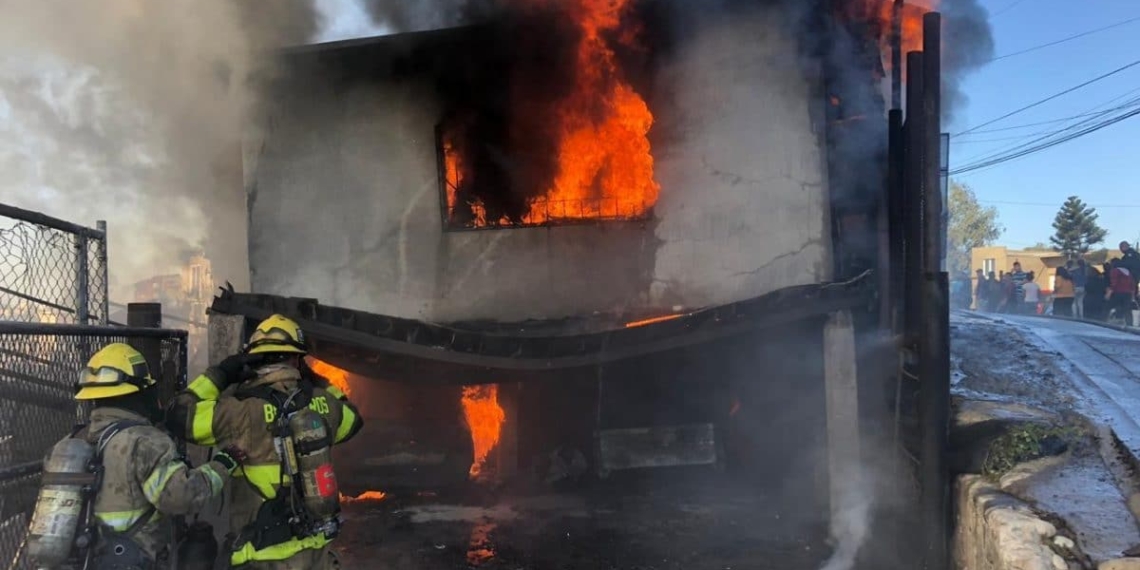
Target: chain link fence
[
  {"x": 39, "y": 365},
  {"x": 51, "y": 271}
]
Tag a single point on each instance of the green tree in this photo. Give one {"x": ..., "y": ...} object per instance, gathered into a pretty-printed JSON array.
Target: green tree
[
  {"x": 971, "y": 225},
  {"x": 1076, "y": 228}
]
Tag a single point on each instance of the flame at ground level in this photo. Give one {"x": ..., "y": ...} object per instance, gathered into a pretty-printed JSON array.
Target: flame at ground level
[
  {"x": 334, "y": 375},
  {"x": 365, "y": 496},
  {"x": 485, "y": 418}
]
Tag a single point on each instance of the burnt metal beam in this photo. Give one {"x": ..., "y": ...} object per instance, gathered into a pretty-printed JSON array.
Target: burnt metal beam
[
  {"x": 414, "y": 351},
  {"x": 934, "y": 348},
  {"x": 912, "y": 195}
]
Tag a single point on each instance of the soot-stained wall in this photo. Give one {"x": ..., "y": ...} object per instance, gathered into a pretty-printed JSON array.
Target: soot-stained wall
[{"x": 345, "y": 204}]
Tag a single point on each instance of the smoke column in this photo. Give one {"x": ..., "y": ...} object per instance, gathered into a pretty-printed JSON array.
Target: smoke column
[{"x": 130, "y": 111}]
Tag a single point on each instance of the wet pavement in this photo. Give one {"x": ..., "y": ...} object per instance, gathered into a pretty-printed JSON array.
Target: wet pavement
[
  {"x": 1106, "y": 363},
  {"x": 614, "y": 525}
]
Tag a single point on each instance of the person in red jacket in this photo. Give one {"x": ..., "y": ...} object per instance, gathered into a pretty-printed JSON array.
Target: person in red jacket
[{"x": 1121, "y": 288}]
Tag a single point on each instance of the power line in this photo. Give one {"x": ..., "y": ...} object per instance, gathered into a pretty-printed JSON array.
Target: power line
[
  {"x": 1051, "y": 205},
  {"x": 1067, "y": 39},
  {"x": 1088, "y": 113},
  {"x": 1051, "y": 97},
  {"x": 1050, "y": 144},
  {"x": 1007, "y": 8},
  {"x": 1126, "y": 106}
]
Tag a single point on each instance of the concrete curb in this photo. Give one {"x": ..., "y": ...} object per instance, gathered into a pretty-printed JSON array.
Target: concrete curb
[
  {"x": 997, "y": 531},
  {"x": 997, "y": 316}
]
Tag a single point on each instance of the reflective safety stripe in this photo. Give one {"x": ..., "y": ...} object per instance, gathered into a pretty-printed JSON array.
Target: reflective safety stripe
[
  {"x": 202, "y": 428},
  {"x": 122, "y": 520},
  {"x": 347, "y": 420},
  {"x": 204, "y": 388},
  {"x": 216, "y": 481},
  {"x": 265, "y": 477},
  {"x": 278, "y": 551},
  {"x": 153, "y": 486},
  {"x": 336, "y": 393}
]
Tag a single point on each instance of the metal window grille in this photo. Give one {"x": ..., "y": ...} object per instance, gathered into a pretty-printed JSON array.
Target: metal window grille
[
  {"x": 51, "y": 271},
  {"x": 461, "y": 214},
  {"x": 39, "y": 365}
]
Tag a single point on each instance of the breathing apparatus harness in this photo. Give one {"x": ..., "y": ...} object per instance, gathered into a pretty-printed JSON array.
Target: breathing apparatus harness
[{"x": 307, "y": 500}]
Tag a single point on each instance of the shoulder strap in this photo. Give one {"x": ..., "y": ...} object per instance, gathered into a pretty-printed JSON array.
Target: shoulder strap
[{"x": 104, "y": 439}]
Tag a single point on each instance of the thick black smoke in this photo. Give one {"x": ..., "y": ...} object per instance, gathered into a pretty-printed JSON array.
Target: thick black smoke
[{"x": 968, "y": 44}]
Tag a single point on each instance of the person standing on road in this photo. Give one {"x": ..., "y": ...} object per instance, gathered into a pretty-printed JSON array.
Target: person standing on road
[
  {"x": 1006, "y": 294},
  {"x": 1121, "y": 290},
  {"x": 981, "y": 290},
  {"x": 1018, "y": 277},
  {"x": 1063, "y": 293},
  {"x": 1032, "y": 295},
  {"x": 1080, "y": 275},
  {"x": 993, "y": 293}
]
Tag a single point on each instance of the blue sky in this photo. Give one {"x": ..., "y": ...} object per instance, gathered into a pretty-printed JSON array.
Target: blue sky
[{"x": 1101, "y": 168}]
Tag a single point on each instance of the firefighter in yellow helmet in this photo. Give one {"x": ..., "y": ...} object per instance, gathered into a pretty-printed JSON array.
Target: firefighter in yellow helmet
[
  {"x": 284, "y": 509},
  {"x": 143, "y": 476}
]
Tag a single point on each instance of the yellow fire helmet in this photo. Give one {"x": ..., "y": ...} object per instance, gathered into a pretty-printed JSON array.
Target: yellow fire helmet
[
  {"x": 116, "y": 370},
  {"x": 277, "y": 334}
]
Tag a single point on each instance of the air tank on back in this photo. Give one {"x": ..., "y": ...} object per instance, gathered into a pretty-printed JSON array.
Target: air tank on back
[{"x": 59, "y": 506}]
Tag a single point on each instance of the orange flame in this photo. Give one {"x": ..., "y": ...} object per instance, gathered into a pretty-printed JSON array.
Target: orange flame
[
  {"x": 880, "y": 14},
  {"x": 650, "y": 321},
  {"x": 334, "y": 375},
  {"x": 485, "y": 419},
  {"x": 365, "y": 496},
  {"x": 604, "y": 163}
]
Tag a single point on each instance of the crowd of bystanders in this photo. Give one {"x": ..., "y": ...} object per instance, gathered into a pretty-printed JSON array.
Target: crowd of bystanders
[{"x": 1079, "y": 290}]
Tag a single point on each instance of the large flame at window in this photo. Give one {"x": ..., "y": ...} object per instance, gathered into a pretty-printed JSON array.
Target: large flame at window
[{"x": 602, "y": 165}]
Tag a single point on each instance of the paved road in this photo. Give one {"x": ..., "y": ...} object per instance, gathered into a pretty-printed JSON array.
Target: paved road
[{"x": 1108, "y": 366}]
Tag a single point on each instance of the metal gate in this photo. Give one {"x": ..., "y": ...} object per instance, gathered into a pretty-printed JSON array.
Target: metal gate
[{"x": 51, "y": 270}]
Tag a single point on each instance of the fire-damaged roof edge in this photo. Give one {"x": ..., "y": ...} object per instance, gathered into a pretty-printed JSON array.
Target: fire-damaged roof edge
[{"x": 408, "y": 350}]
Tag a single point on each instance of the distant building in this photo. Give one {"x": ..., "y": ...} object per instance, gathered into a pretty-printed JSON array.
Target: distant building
[
  {"x": 184, "y": 296},
  {"x": 165, "y": 289}
]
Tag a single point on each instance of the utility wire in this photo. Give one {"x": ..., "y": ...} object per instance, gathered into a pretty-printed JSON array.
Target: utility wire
[
  {"x": 1067, "y": 39},
  {"x": 1125, "y": 107},
  {"x": 1051, "y": 205},
  {"x": 1046, "y": 145},
  {"x": 1007, "y": 8},
  {"x": 1088, "y": 113},
  {"x": 1050, "y": 98}
]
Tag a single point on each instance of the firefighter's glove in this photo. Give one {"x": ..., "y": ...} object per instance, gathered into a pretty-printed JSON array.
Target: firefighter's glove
[
  {"x": 238, "y": 368},
  {"x": 230, "y": 457}
]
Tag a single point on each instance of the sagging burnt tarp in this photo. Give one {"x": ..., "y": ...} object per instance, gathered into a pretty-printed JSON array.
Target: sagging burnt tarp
[{"x": 406, "y": 350}]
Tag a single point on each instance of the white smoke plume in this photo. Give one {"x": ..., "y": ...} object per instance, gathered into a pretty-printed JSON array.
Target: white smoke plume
[
  {"x": 130, "y": 111},
  {"x": 851, "y": 525}
]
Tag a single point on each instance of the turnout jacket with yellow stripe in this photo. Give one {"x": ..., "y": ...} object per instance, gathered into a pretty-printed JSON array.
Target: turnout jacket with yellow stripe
[
  {"x": 143, "y": 475},
  {"x": 240, "y": 417}
]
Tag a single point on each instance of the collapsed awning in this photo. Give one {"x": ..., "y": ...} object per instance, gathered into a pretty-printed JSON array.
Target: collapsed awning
[{"x": 407, "y": 350}]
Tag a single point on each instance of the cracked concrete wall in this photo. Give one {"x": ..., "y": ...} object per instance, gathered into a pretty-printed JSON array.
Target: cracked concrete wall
[{"x": 345, "y": 201}]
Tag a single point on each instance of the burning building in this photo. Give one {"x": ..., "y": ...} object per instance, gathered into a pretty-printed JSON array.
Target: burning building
[{"x": 606, "y": 235}]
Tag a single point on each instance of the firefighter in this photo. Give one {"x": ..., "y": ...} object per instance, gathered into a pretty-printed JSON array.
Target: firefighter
[
  {"x": 143, "y": 476},
  {"x": 281, "y": 516}
]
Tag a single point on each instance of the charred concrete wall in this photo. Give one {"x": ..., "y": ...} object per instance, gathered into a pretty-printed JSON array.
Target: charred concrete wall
[{"x": 345, "y": 200}]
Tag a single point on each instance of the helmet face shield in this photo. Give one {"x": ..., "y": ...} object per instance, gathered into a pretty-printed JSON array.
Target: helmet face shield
[{"x": 107, "y": 376}]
